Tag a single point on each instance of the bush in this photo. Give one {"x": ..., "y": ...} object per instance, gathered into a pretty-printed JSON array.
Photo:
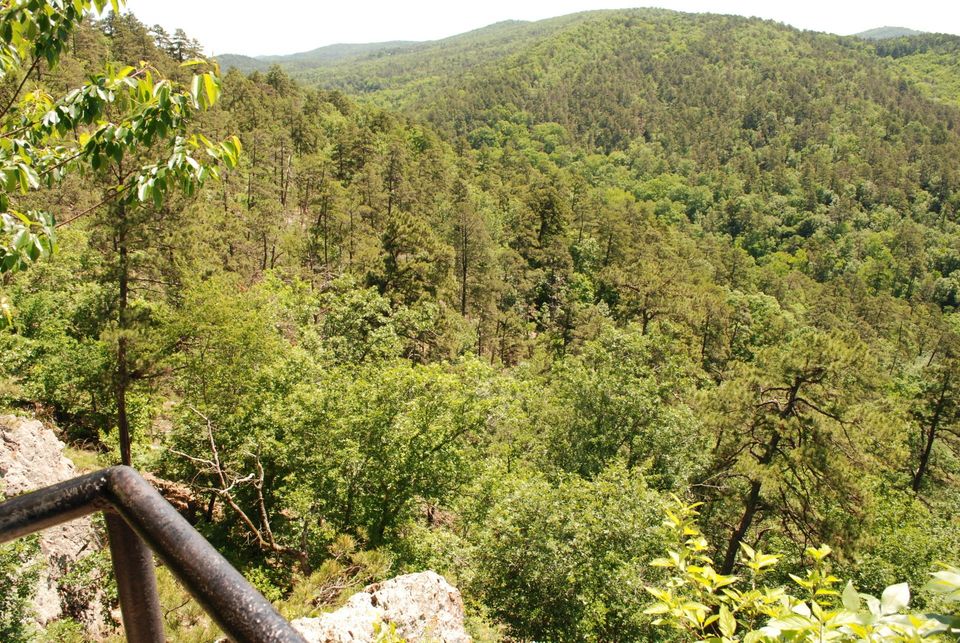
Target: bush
[
  {"x": 701, "y": 605},
  {"x": 19, "y": 573},
  {"x": 564, "y": 562}
]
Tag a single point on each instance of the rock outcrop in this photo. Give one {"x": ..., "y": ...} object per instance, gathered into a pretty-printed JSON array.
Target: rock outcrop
[
  {"x": 32, "y": 457},
  {"x": 421, "y": 607}
]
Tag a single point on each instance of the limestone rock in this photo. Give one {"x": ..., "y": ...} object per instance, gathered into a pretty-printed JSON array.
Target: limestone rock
[
  {"x": 422, "y": 607},
  {"x": 31, "y": 457}
]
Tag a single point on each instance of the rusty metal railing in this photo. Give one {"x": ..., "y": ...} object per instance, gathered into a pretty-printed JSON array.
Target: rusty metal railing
[{"x": 138, "y": 520}]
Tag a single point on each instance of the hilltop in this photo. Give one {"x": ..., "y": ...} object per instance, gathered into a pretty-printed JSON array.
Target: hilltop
[
  {"x": 376, "y": 67},
  {"x": 930, "y": 62},
  {"x": 609, "y": 76},
  {"x": 883, "y": 33},
  {"x": 306, "y": 60},
  {"x": 358, "y": 58}
]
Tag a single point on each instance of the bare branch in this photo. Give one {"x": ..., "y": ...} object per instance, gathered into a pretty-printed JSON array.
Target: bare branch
[
  {"x": 113, "y": 195},
  {"x": 263, "y": 537},
  {"x": 23, "y": 82},
  {"x": 194, "y": 459},
  {"x": 816, "y": 408}
]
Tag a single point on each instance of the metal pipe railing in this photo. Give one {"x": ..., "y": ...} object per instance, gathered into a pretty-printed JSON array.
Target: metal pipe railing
[{"x": 137, "y": 517}]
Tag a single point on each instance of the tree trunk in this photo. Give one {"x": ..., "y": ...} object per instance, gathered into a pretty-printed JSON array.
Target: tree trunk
[
  {"x": 123, "y": 369},
  {"x": 750, "y": 506},
  {"x": 752, "y": 502},
  {"x": 463, "y": 268},
  {"x": 749, "y": 511},
  {"x": 646, "y": 316},
  {"x": 931, "y": 434}
]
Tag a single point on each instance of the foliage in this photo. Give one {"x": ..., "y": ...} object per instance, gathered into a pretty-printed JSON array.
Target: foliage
[
  {"x": 87, "y": 588},
  {"x": 115, "y": 112},
  {"x": 707, "y": 606},
  {"x": 19, "y": 575},
  {"x": 347, "y": 571},
  {"x": 617, "y": 397},
  {"x": 564, "y": 562},
  {"x": 384, "y": 436}
]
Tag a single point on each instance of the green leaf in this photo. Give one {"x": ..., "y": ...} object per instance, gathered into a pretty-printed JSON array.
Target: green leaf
[
  {"x": 659, "y": 594},
  {"x": 819, "y": 553},
  {"x": 800, "y": 581},
  {"x": 211, "y": 85},
  {"x": 195, "y": 91},
  {"x": 793, "y": 622},
  {"x": 728, "y": 624},
  {"x": 945, "y": 622},
  {"x": 20, "y": 239},
  {"x": 946, "y": 582},
  {"x": 850, "y": 598},
  {"x": 895, "y": 598},
  {"x": 6, "y": 309}
]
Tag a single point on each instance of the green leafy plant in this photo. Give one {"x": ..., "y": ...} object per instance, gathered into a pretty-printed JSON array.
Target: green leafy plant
[
  {"x": 19, "y": 573},
  {"x": 702, "y": 605},
  {"x": 115, "y": 112}
]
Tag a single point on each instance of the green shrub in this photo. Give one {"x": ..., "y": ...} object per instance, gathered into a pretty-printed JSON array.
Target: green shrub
[
  {"x": 19, "y": 573},
  {"x": 701, "y": 605}
]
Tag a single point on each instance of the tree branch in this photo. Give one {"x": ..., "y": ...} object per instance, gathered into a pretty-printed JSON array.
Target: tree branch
[
  {"x": 13, "y": 98},
  {"x": 264, "y": 538},
  {"x": 816, "y": 408},
  {"x": 113, "y": 195}
]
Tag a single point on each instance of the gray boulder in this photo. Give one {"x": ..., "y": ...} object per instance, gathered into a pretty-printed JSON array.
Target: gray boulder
[
  {"x": 421, "y": 607},
  {"x": 31, "y": 457}
]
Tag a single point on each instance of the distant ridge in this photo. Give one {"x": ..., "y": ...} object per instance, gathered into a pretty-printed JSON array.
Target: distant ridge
[
  {"x": 544, "y": 67},
  {"x": 319, "y": 57},
  {"x": 332, "y": 55},
  {"x": 245, "y": 64},
  {"x": 883, "y": 33}
]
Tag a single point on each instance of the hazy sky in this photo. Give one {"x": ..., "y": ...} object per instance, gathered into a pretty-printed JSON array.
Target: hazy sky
[{"x": 288, "y": 26}]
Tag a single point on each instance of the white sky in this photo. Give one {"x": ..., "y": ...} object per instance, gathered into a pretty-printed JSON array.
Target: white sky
[{"x": 287, "y": 26}]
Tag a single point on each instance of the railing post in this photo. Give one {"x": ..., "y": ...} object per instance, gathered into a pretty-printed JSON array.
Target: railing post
[
  {"x": 136, "y": 582},
  {"x": 137, "y": 518}
]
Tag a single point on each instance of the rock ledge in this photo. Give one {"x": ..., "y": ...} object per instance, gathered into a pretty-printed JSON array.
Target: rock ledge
[
  {"x": 422, "y": 607},
  {"x": 31, "y": 457}
]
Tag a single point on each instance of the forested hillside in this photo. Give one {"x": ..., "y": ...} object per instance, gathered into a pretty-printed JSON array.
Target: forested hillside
[
  {"x": 308, "y": 60},
  {"x": 381, "y": 70},
  {"x": 492, "y": 305},
  {"x": 930, "y": 61}
]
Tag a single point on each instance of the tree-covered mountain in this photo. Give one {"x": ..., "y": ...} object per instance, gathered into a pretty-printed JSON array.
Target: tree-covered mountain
[
  {"x": 354, "y": 66},
  {"x": 486, "y": 305},
  {"x": 883, "y": 33},
  {"x": 616, "y": 70},
  {"x": 931, "y": 62},
  {"x": 319, "y": 57},
  {"x": 244, "y": 64},
  {"x": 391, "y": 68}
]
